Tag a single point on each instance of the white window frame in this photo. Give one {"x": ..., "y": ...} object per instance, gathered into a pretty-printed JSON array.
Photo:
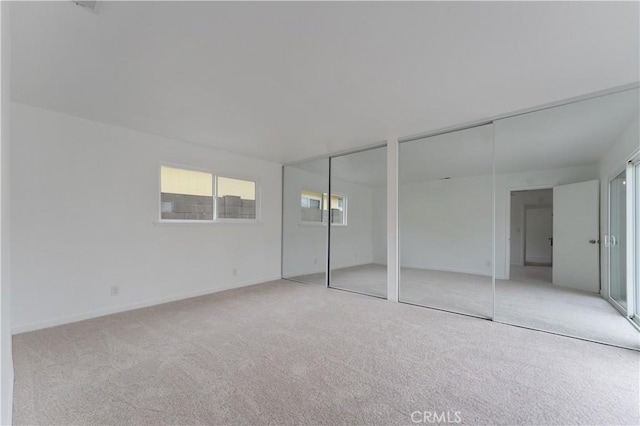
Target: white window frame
[
  {"x": 322, "y": 221},
  {"x": 214, "y": 177}
]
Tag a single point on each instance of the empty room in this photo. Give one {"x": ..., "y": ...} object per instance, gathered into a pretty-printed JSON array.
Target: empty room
[{"x": 320, "y": 213}]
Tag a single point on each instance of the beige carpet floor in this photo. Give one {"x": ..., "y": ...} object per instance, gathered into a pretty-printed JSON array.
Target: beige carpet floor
[
  {"x": 285, "y": 353},
  {"x": 528, "y": 299}
]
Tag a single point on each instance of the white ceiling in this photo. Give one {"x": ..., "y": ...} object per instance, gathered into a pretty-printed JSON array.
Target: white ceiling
[
  {"x": 569, "y": 135},
  {"x": 288, "y": 81}
]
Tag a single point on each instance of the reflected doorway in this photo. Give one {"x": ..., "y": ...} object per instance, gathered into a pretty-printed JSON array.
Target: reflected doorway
[{"x": 531, "y": 242}]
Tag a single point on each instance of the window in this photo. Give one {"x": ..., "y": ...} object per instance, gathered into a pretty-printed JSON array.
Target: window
[
  {"x": 338, "y": 211},
  {"x": 185, "y": 194},
  {"x": 188, "y": 195},
  {"x": 311, "y": 211},
  {"x": 236, "y": 198}
]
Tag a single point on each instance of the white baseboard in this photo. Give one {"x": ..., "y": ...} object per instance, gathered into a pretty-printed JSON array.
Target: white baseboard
[{"x": 38, "y": 325}]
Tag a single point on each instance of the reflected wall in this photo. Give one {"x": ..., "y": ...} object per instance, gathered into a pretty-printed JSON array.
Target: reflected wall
[
  {"x": 358, "y": 237},
  {"x": 445, "y": 213},
  {"x": 304, "y": 221},
  {"x": 573, "y": 152},
  {"x": 525, "y": 221}
]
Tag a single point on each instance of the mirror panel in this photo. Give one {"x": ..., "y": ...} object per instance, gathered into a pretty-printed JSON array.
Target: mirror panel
[
  {"x": 358, "y": 240},
  {"x": 446, "y": 221},
  {"x": 553, "y": 172},
  {"x": 304, "y": 224}
]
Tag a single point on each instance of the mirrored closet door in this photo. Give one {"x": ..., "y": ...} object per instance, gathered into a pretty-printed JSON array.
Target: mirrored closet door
[
  {"x": 445, "y": 213},
  {"x": 357, "y": 209},
  {"x": 304, "y": 221},
  {"x": 556, "y": 257}
]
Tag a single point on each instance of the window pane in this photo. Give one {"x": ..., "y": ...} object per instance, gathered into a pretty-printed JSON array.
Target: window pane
[
  {"x": 185, "y": 194},
  {"x": 310, "y": 210},
  {"x": 337, "y": 210},
  {"x": 236, "y": 199}
]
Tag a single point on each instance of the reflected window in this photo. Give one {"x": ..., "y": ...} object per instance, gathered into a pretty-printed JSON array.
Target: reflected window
[{"x": 314, "y": 207}]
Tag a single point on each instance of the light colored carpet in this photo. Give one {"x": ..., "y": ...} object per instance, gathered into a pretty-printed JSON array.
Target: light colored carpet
[
  {"x": 288, "y": 353},
  {"x": 528, "y": 299}
]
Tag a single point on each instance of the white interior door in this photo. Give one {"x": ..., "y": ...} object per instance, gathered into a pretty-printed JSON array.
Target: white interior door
[
  {"x": 538, "y": 234},
  {"x": 575, "y": 236}
]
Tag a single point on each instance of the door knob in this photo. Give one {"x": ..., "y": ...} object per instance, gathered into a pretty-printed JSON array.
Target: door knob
[{"x": 594, "y": 241}]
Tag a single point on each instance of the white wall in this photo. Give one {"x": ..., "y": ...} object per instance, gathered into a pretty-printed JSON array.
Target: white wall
[
  {"x": 6, "y": 359},
  {"x": 84, "y": 198},
  {"x": 538, "y": 234},
  {"x": 304, "y": 245},
  {"x": 446, "y": 224},
  {"x": 611, "y": 165},
  {"x": 518, "y": 201},
  {"x": 353, "y": 244}
]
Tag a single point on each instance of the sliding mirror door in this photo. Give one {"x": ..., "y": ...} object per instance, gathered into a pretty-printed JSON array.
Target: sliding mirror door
[
  {"x": 304, "y": 221},
  {"x": 357, "y": 211},
  {"x": 446, "y": 221},
  {"x": 553, "y": 173}
]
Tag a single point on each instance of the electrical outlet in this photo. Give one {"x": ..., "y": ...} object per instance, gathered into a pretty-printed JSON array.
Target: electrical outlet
[
  {"x": 235, "y": 272},
  {"x": 115, "y": 290},
  {"x": 315, "y": 261}
]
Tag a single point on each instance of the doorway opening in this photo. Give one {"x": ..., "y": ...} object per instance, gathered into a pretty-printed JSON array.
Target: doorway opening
[{"x": 531, "y": 243}]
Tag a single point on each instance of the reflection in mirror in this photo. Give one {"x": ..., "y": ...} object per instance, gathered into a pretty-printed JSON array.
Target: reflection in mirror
[
  {"x": 445, "y": 213},
  {"x": 555, "y": 265},
  {"x": 616, "y": 239},
  {"x": 358, "y": 241},
  {"x": 304, "y": 232}
]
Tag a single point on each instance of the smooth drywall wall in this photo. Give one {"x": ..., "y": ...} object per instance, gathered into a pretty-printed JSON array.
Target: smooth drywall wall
[
  {"x": 446, "y": 225},
  {"x": 6, "y": 359},
  {"x": 353, "y": 244},
  {"x": 621, "y": 151},
  {"x": 305, "y": 244},
  {"x": 85, "y": 197}
]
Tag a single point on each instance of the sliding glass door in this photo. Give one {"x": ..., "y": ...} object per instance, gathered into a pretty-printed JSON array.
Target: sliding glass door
[
  {"x": 636, "y": 221},
  {"x": 617, "y": 240}
]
